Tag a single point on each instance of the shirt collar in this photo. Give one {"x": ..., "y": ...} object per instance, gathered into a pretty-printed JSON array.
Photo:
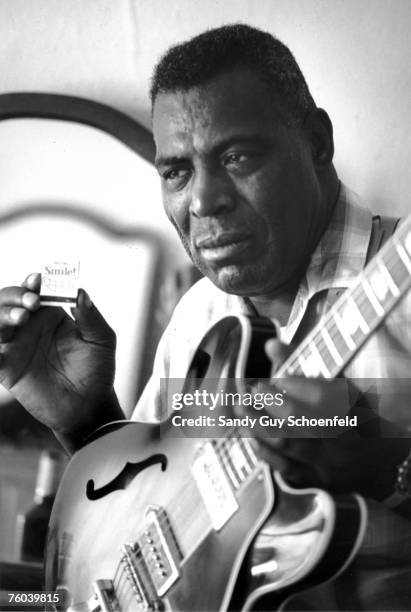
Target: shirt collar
[
  {"x": 341, "y": 253},
  {"x": 338, "y": 258}
]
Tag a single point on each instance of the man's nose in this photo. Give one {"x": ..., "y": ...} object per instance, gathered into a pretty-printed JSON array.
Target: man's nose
[{"x": 211, "y": 194}]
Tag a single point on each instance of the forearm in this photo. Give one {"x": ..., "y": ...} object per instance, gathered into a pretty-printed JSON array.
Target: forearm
[{"x": 104, "y": 413}]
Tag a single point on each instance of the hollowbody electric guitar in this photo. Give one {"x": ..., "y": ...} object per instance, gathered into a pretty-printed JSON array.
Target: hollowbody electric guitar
[{"x": 146, "y": 519}]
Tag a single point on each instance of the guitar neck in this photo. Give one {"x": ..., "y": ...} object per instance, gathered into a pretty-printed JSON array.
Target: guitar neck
[{"x": 336, "y": 339}]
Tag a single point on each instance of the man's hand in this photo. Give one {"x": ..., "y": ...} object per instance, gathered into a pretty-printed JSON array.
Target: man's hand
[
  {"x": 358, "y": 460},
  {"x": 60, "y": 370}
]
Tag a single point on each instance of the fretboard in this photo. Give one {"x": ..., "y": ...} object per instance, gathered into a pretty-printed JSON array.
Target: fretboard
[{"x": 334, "y": 341}]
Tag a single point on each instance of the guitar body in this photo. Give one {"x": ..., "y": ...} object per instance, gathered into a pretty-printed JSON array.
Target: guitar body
[
  {"x": 146, "y": 519},
  {"x": 86, "y": 536},
  {"x": 277, "y": 537}
]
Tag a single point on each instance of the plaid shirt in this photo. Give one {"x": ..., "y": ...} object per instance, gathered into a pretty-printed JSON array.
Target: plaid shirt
[
  {"x": 381, "y": 573},
  {"x": 335, "y": 264}
]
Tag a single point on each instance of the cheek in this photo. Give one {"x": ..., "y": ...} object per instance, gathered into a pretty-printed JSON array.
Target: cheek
[
  {"x": 179, "y": 216},
  {"x": 174, "y": 210}
]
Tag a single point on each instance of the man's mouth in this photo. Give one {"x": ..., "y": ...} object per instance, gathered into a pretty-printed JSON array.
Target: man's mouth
[{"x": 227, "y": 245}]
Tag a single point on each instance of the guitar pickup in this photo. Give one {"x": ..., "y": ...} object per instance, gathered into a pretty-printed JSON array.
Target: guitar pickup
[{"x": 160, "y": 551}]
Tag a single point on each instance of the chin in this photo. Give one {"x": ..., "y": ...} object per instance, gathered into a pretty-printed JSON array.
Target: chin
[{"x": 236, "y": 281}]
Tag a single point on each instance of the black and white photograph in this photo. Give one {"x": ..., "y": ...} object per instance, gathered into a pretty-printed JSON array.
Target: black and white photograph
[{"x": 205, "y": 315}]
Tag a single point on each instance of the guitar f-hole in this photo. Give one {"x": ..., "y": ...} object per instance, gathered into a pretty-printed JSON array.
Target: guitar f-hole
[{"x": 123, "y": 479}]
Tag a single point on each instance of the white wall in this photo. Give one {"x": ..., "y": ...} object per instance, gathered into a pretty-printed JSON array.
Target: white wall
[
  {"x": 355, "y": 54},
  {"x": 60, "y": 164}
]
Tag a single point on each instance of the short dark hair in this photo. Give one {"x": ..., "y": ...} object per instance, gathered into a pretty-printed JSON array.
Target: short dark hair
[{"x": 196, "y": 61}]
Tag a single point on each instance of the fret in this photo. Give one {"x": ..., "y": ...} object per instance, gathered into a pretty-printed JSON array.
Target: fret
[
  {"x": 238, "y": 459},
  {"x": 362, "y": 323},
  {"x": 341, "y": 326},
  {"x": 371, "y": 296},
  {"x": 306, "y": 368},
  {"x": 248, "y": 449},
  {"x": 407, "y": 242},
  {"x": 310, "y": 359},
  {"x": 337, "y": 337},
  {"x": 352, "y": 320},
  {"x": 331, "y": 346},
  {"x": 321, "y": 363},
  {"x": 403, "y": 254},
  {"x": 364, "y": 305},
  {"x": 379, "y": 285},
  {"x": 309, "y": 366},
  {"x": 245, "y": 450},
  {"x": 291, "y": 370},
  {"x": 388, "y": 277},
  {"x": 229, "y": 468},
  {"x": 397, "y": 270},
  {"x": 327, "y": 357},
  {"x": 235, "y": 461}
]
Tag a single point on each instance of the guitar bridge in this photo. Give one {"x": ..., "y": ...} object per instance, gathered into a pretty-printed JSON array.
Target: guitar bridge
[
  {"x": 160, "y": 550},
  {"x": 104, "y": 599}
]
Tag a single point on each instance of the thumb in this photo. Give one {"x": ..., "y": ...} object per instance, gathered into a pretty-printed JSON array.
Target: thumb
[
  {"x": 277, "y": 352},
  {"x": 92, "y": 325}
]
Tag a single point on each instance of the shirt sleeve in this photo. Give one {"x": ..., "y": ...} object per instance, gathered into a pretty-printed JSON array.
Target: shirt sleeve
[{"x": 201, "y": 306}]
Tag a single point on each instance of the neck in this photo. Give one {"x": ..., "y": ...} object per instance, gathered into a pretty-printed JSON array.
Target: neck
[
  {"x": 277, "y": 307},
  {"x": 279, "y": 304}
]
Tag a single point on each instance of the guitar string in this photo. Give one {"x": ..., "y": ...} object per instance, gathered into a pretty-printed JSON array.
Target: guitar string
[
  {"x": 118, "y": 588},
  {"x": 292, "y": 360},
  {"x": 224, "y": 449},
  {"x": 373, "y": 266},
  {"x": 293, "y": 366},
  {"x": 123, "y": 597},
  {"x": 362, "y": 300},
  {"x": 164, "y": 523},
  {"x": 222, "y": 446},
  {"x": 127, "y": 586},
  {"x": 357, "y": 289}
]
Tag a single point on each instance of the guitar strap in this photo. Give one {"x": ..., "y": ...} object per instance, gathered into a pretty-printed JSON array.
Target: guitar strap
[{"x": 382, "y": 228}]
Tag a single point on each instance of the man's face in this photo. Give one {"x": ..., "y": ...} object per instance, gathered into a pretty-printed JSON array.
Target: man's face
[{"x": 238, "y": 184}]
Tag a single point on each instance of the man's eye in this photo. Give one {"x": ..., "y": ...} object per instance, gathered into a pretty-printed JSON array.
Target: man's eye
[
  {"x": 236, "y": 158},
  {"x": 175, "y": 177}
]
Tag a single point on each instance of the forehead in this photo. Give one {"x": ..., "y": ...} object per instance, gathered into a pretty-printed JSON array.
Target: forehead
[{"x": 231, "y": 104}]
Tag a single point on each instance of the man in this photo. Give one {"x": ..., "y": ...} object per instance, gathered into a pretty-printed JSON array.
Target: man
[{"x": 245, "y": 159}]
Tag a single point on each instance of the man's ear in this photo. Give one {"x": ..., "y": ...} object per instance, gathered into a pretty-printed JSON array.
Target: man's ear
[{"x": 319, "y": 132}]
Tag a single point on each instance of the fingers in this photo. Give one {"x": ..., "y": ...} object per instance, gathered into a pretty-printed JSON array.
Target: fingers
[
  {"x": 296, "y": 459},
  {"x": 92, "y": 325},
  {"x": 16, "y": 303},
  {"x": 277, "y": 352},
  {"x": 33, "y": 282},
  {"x": 308, "y": 396}
]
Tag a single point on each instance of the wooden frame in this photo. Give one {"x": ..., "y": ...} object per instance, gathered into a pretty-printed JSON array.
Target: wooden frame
[{"x": 136, "y": 137}]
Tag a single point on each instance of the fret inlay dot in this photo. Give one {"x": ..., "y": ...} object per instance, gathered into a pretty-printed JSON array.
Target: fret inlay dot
[
  {"x": 379, "y": 285},
  {"x": 237, "y": 457},
  {"x": 350, "y": 319},
  {"x": 311, "y": 366}
]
